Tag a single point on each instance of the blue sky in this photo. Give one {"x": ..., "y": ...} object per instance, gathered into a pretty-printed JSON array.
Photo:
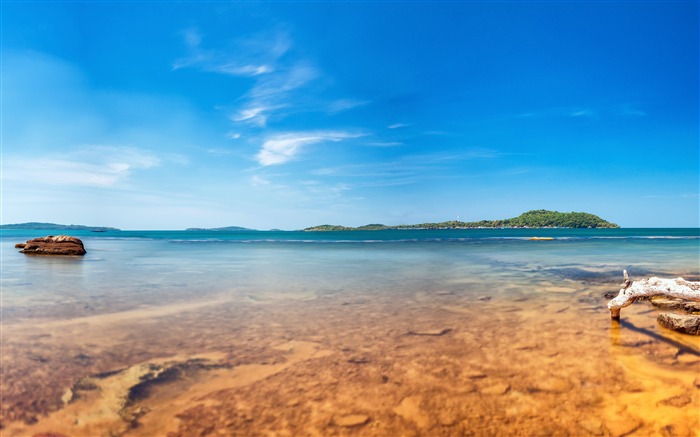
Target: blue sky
[{"x": 166, "y": 115}]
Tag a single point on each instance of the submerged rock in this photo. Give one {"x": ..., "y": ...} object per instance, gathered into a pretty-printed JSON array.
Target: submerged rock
[
  {"x": 686, "y": 324},
  {"x": 496, "y": 389},
  {"x": 623, "y": 425},
  {"x": 53, "y": 245},
  {"x": 431, "y": 332},
  {"x": 676, "y": 401},
  {"x": 352, "y": 420},
  {"x": 592, "y": 426}
]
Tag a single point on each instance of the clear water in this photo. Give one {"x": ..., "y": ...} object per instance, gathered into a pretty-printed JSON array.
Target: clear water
[{"x": 147, "y": 296}]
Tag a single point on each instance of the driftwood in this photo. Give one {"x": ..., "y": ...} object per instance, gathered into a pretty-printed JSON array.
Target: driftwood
[{"x": 631, "y": 291}]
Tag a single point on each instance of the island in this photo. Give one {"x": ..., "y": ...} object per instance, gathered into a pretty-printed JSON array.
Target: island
[
  {"x": 223, "y": 229},
  {"x": 57, "y": 227},
  {"x": 540, "y": 218}
]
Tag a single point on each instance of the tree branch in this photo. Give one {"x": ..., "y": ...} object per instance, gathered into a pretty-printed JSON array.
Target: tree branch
[{"x": 631, "y": 291}]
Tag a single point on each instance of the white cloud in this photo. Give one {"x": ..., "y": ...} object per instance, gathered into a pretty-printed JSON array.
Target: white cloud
[
  {"x": 281, "y": 148},
  {"x": 255, "y": 115},
  {"x": 279, "y": 74},
  {"x": 243, "y": 70},
  {"x": 397, "y": 125},
  {"x": 274, "y": 91},
  {"x": 583, "y": 113},
  {"x": 283, "y": 81},
  {"x": 345, "y": 104},
  {"x": 561, "y": 111},
  {"x": 246, "y": 57},
  {"x": 384, "y": 144},
  {"x": 97, "y": 166},
  {"x": 259, "y": 181}
]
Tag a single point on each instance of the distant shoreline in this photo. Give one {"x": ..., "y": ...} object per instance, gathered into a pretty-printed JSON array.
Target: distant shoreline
[
  {"x": 36, "y": 226},
  {"x": 535, "y": 219}
]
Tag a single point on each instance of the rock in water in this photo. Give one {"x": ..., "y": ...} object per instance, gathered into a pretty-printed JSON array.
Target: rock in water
[
  {"x": 352, "y": 420},
  {"x": 54, "y": 245},
  {"x": 687, "y": 324}
]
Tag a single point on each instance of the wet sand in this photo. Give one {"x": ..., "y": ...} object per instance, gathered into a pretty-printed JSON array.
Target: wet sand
[{"x": 464, "y": 360}]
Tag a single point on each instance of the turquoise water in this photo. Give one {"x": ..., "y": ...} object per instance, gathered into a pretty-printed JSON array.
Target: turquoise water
[
  {"x": 424, "y": 332},
  {"x": 126, "y": 268}
]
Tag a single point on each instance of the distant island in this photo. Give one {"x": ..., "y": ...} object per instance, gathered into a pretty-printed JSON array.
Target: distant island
[
  {"x": 57, "y": 227},
  {"x": 224, "y": 229},
  {"x": 540, "y": 218}
]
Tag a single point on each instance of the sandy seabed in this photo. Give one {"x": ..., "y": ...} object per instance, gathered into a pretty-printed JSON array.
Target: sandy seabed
[{"x": 440, "y": 363}]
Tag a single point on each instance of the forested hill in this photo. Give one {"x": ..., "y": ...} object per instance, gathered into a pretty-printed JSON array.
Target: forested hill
[
  {"x": 56, "y": 227},
  {"x": 540, "y": 218}
]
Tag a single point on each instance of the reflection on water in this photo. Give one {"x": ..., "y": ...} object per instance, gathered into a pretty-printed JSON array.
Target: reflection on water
[{"x": 151, "y": 337}]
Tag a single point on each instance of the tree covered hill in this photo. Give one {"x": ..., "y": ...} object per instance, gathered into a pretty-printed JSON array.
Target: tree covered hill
[
  {"x": 540, "y": 218},
  {"x": 56, "y": 227}
]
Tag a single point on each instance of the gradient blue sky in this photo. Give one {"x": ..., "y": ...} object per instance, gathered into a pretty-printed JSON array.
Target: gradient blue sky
[{"x": 158, "y": 115}]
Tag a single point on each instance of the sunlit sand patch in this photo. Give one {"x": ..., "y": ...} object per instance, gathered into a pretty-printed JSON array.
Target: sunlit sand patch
[
  {"x": 145, "y": 312},
  {"x": 663, "y": 400},
  {"x": 271, "y": 297},
  {"x": 145, "y": 399}
]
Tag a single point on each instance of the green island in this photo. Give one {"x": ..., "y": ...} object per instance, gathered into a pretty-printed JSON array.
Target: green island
[
  {"x": 540, "y": 218},
  {"x": 57, "y": 227}
]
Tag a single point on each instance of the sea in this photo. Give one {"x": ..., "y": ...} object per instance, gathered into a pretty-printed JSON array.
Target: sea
[{"x": 450, "y": 332}]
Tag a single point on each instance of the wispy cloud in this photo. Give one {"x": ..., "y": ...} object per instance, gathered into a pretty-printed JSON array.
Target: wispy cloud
[
  {"x": 274, "y": 92},
  {"x": 384, "y": 144},
  {"x": 245, "y": 57},
  {"x": 631, "y": 110},
  {"x": 583, "y": 113},
  {"x": 218, "y": 151},
  {"x": 96, "y": 166},
  {"x": 626, "y": 110},
  {"x": 397, "y": 125},
  {"x": 285, "y": 81},
  {"x": 345, "y": 104},
  {"x": 281, "y": 148},
  {"x": 560, "y": 111},
  {"x": 267, "y": 58},
  {"x": 256, "y": 115}
]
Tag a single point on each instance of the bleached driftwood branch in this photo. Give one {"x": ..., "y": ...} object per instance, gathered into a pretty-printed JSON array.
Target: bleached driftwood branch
[{"x": 632, "y": 291}]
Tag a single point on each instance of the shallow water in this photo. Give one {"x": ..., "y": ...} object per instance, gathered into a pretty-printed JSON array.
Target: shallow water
[{"x": 478, "y": 332}]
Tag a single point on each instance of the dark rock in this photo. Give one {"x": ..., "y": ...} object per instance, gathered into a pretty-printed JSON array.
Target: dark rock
[
  {"x": 58, "y": 245},
  {"x": 687, "y": 324},
  {"x": 692, "y": 307},
  {"x": 676, "y": 401},
  {"x": 20, "y": 245},
  {"x": 431, "y": 332}
]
